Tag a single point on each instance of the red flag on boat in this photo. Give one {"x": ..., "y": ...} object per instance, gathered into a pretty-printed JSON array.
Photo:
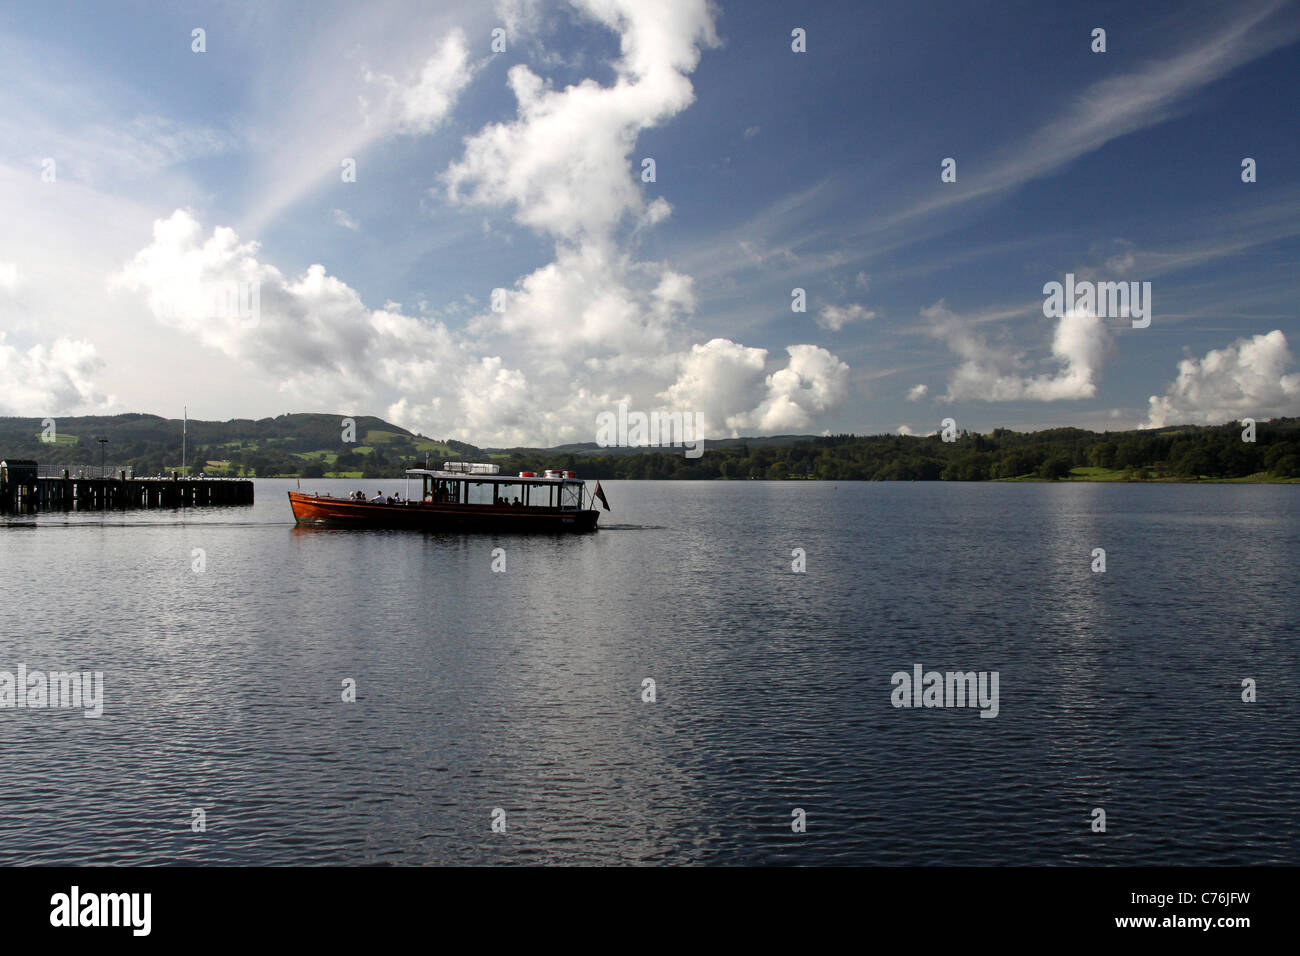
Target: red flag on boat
[{"x": 601, "y": 495}]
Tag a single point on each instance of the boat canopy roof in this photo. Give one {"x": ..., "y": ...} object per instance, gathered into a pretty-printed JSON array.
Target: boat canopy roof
[{"x": 498, "y": 478}]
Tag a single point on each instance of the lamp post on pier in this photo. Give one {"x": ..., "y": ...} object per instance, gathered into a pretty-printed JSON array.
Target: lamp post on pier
[{"x": 102, "y": 443}]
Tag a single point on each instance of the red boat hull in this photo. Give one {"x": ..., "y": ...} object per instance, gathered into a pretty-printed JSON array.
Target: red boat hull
[{"x": 416, "y": 516}]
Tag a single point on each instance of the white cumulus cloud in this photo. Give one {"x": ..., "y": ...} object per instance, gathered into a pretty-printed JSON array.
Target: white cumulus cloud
[
  {"x": 573, "y": 344},
  {"x": 50, "y": 380},
  {"x": 423, "y": 103},
  {"x": 999, "y": 373},
  {"x": 812, "y": 382},
  {"x": 1247, "y": 379},
  {"x": 722, "y": 380},
  {"x": 564, "y": 163},
  {"x": 312, "y": 332},
  {"x": 726, "y": 382},
  {"x": 835, "y": 317}
]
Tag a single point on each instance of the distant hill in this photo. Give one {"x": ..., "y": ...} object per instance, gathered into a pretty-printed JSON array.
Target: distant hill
[
  {"x": 301, "y": 444},
  {"x": 591, "y": 448},
  {"x": 316, "y": 445}
]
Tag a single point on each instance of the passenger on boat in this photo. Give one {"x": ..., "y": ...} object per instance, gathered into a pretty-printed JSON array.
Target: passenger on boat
[
  {"x": 515, "y": 503},
  {"x": 378, "y": 499}
]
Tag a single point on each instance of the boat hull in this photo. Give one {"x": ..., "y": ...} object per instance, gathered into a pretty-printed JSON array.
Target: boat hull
[{"x": 324, "y": 511}]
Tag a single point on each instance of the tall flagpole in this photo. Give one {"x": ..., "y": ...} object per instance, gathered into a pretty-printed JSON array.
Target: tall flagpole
[{"x": 185, "y": 427}]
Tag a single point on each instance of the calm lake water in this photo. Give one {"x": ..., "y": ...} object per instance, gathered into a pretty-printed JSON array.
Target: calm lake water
[{"x": 522, "y": 690}]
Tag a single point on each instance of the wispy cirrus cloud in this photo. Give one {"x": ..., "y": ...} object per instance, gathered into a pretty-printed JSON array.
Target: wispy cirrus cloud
[
  {"x": 797, "y": 237},
  {"x": 363, "y": 76},
  {"x": 1121, "y": 105}
]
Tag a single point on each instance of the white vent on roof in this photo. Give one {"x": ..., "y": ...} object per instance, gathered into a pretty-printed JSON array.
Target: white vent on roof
[{"x": 471, "y": 467}]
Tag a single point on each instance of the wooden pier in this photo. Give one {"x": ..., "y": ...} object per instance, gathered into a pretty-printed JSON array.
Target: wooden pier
[{"x": 23, "y": 490}]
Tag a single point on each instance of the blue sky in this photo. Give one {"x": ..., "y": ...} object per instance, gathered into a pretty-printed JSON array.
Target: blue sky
[{"x": 177, "y": 173}]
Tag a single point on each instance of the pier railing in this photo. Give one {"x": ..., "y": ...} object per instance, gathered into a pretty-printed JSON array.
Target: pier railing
[
  {"x": 84, "y": 471},
  {"x": 115, "y": 471}
]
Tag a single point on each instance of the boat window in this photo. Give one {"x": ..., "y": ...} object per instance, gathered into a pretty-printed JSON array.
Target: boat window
[
  {"x": 445, "y": 491},
  {"x": 507, "y": 492},
  {"x": 480, "y": 492},
  {"x": 539, "y": 496},
  {"x": 570, "y": 495}
]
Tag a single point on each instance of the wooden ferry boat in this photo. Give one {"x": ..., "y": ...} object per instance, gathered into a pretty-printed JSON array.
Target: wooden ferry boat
[{"x": 465, "y": 496}]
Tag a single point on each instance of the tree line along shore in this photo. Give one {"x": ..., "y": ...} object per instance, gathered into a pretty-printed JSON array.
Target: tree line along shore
[{"x": 313, "y": 446}]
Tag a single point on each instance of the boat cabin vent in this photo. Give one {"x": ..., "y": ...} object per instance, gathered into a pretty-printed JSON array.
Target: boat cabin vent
[{"x": 471, "y": 468}]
